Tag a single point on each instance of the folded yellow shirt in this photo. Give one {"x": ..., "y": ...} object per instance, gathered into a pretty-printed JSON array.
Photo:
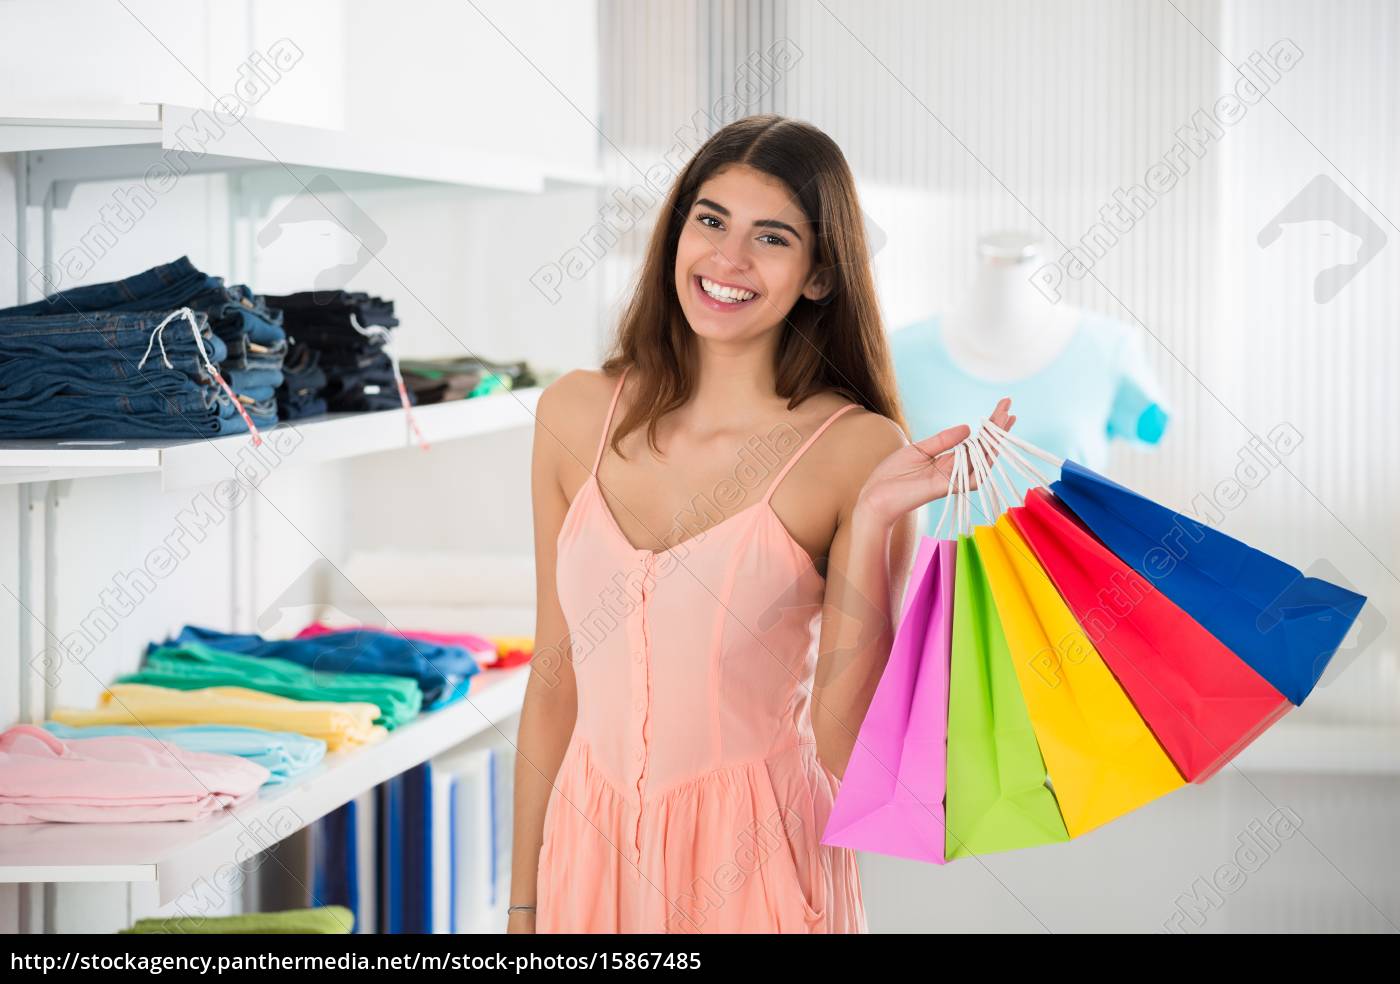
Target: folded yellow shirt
[{"x": 339, "y": 724}]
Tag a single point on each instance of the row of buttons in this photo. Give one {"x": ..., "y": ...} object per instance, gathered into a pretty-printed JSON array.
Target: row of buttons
[{"x": 641, "y": 685}]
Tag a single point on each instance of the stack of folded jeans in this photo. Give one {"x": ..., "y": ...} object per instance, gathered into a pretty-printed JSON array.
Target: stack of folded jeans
[
  {"x": 359, "y": 372},
  {"x": 252, "y": 341},
  {"x": 303, "y": 383},
  {"x": 77, "y": 376}
]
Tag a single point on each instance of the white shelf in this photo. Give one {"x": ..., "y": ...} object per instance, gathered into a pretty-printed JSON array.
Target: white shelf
[
  {"x": 329, "y": 437},
  {"x": 177, "y": 855},
  {"x": 100, "y": 143}
]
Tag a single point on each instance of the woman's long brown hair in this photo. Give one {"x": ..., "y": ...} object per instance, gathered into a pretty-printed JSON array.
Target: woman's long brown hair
[{"x": 838, "y": 345}]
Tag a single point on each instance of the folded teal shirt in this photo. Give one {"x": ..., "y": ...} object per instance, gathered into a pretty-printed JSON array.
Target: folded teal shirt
[
  {"x": 285, "y": 754},
  {"x": 193, "y": 666}
]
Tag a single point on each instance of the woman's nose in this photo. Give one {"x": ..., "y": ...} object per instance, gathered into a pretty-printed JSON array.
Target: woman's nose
[{"x": 731, "y": 254}]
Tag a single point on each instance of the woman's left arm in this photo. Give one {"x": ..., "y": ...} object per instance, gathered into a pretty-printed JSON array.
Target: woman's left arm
[{"x": 867, "y": 569}]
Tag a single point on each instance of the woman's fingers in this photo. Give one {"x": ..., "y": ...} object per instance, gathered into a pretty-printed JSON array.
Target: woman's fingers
[{"x": 944, "y": 440}]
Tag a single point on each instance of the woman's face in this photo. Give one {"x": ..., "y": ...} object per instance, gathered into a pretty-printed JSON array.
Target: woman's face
[{"x": 744, "y": 256}]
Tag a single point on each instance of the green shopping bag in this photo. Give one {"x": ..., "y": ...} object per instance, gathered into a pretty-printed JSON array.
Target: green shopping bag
[{"x": 997, "y": 798}]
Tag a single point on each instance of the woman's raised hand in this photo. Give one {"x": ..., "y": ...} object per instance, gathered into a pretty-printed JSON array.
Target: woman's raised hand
[{"x": 922, "y": 472}]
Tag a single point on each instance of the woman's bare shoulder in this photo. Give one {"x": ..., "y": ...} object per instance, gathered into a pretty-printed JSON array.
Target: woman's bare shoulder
[
  {"x": 571, "y": 411},
  {"x": 860, "y": 440},
  {"x": 864, "y": 433},
  {"x": 575, "y": 393}
]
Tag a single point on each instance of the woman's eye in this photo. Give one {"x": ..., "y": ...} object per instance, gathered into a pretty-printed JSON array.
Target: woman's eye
[
  {"x": 777, "y": 240},
  {"x": 706, "y": 219}
]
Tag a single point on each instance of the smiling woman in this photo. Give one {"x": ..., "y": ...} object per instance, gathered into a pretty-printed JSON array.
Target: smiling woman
[{"x": 680, "y": 777}]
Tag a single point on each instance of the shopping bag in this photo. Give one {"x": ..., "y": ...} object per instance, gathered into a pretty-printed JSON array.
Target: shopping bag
[
  {"x": 1202, "y": 701},
  {"x": 890, "y": 800},
  {"x": 997, "y": 798},
  {"x": 1284, "y": 625},
  {"x": 1102, "y": 758}
]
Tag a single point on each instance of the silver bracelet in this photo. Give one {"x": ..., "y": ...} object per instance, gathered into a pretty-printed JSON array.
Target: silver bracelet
[{"x": 526, "y": 908}]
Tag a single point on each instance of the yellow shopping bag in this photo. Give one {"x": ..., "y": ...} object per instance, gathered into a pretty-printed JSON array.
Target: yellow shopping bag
[{"x": 1102, "y": 759}]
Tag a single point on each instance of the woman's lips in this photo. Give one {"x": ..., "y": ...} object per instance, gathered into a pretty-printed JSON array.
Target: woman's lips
[{"x": 715, "y": 305}]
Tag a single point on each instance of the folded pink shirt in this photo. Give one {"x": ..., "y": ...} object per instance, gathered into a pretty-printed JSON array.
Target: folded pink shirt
[{"x": 115, "y": 779}]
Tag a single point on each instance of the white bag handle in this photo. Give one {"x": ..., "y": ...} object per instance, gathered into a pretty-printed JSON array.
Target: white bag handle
[
  {"x": 1010, "y": 462},
  {"x": 964, "y": 494},
  {"x": 982, "y": 466},
  {"x": 948, "y": 498},
  {"x": 997, "y": 470},
  {"x": 1023, "y": 444},
  {"x": 1006, "y": 444}
]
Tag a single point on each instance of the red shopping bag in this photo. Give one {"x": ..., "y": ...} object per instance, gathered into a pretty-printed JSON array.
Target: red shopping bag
[{"x": 1203, "y": 703}]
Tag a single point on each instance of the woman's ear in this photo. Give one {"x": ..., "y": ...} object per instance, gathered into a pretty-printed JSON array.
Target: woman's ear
[{"x": 818, "y": 287}]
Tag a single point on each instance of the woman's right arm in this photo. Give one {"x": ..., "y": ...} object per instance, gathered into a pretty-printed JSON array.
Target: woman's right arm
[{"x": 551, "y": 701}]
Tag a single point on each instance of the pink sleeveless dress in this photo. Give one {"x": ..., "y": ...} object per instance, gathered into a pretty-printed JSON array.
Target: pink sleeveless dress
[{"x": 690, "y": 798}]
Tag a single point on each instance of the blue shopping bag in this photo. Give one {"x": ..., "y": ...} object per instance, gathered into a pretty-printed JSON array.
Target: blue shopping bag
[{"x": 1285, "y": 625}]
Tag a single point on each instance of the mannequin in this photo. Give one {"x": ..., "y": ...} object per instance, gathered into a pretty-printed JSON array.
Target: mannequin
[
  {"x": 1079, "y": 379},
  {"x": 1004, "y": 329}
]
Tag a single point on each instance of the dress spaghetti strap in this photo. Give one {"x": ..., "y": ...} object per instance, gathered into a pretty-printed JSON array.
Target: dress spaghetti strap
[
  {"x": 805, "y": 445},
  {"x": 607, "y": 422}
]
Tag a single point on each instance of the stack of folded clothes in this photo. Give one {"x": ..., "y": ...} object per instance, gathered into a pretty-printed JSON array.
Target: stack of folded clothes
[
  {"x": 195, "y": 665},
  {"x": 78, "y": 377},
  {"x": 440, "y": 668},
  {"x": 82, "y": 329},
  {"x": 339, "y": 724},
  {"x": 283, "y": 753},
  {"x": 490, "y": 652},
  {"x": 302, "y": 393},
  {"x": 441, "y": 380},
  {"x": 115, "y": 780},
  {"x": 348, "y": 331}
]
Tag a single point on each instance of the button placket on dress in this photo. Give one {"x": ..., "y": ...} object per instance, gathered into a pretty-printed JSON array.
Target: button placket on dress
[{"x": 641, "y": 694}]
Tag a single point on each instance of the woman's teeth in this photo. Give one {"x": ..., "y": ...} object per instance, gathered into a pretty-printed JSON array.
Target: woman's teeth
[{"x": 729, "y": 295}]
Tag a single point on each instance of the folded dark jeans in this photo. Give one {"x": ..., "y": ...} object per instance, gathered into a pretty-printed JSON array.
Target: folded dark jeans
[
  {"x": 133, "y": 396},
  {"x": 263, "y": 413},
  {"x": 294, "y": 408},
  {"x": 21, "y": 379},
  {"x": 122, "y": 337},
  {"x": 251, "y": 381},
  {"x": 236, "y": 312},
  {"x": 364, "y": 390},
  {"x": 309, "y": 307},
  {"x": 300, "y": 396},
  {"x": 241, "y": 355},
  {"x": 61, "y": 418},
  {"x": 167, "y": 286},
  {"x": 240, "y": 318}
]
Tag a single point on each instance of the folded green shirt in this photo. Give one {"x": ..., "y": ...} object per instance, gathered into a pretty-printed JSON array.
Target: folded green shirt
[
  {"x": 194, "y": 665},
  {"x": 327, "y": 919}
]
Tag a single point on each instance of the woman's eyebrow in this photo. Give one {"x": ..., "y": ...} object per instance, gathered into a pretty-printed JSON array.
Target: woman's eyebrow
[{"x": 762, "y": 223}]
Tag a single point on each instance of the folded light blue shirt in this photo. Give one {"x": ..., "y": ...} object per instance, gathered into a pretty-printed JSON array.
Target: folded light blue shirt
[
  {"x": 285, "y": 754},
  {"x": 1100, "y": 388}
]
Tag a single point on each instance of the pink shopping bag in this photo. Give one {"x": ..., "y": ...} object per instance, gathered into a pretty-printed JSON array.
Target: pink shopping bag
[{"x": 891, "y": 797}]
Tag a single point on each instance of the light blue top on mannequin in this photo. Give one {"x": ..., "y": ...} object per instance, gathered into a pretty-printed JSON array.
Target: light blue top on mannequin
[{"x": 1099, "y": 388}]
